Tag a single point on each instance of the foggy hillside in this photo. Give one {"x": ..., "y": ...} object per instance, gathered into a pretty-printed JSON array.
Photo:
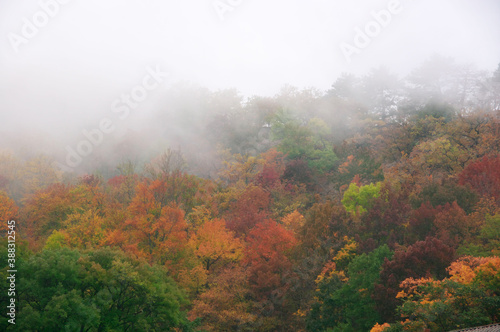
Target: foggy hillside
[{"x": 230, "y": 165}]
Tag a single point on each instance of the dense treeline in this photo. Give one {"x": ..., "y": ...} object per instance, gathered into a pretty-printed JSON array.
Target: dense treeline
[{"x": 372, "y": 206}]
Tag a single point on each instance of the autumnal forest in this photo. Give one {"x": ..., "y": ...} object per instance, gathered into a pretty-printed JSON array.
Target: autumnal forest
[{"x": 373, "y": 206}]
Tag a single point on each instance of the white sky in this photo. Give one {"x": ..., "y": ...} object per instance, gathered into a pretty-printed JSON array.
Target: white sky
[{"x": 93, "y": 50}]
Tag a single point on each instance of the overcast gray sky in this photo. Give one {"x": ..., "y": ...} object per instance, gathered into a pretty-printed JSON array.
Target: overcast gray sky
[{"x": 88, "y": 52}]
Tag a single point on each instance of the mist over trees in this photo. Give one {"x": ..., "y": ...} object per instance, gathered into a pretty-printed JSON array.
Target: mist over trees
[{"x": 372, "y": 206}]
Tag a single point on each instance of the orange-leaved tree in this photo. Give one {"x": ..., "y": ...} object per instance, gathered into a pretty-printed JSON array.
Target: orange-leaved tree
[
  {"x": 213, "y": 243},
  {"x": 226, "y": 306},
  {"x": 155, "y": 230},
  {"x": 8, "y": 211},
  {"x": 270, "y": 269}
]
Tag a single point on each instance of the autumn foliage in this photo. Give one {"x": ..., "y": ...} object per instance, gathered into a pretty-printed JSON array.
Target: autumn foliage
[
  {"x": 484, "y": 176},
  {"x": 317, "y": 212}
]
